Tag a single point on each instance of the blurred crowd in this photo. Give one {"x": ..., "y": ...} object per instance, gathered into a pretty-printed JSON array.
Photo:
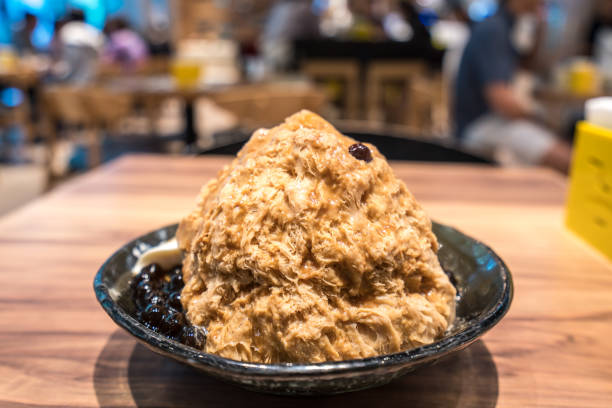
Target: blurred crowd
[
  {"x": 77, "y": 47},
  {"x": 481, "y": 46},
  {"x": 482, "y": 60}
]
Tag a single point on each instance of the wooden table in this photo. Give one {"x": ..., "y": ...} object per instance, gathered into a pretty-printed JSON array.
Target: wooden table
[
  {"x": 262, "y": 103},
  {"x": 554, "y": 348},
  {"x": 152, "y": 89},
  {"x": 22, "y": 78}
]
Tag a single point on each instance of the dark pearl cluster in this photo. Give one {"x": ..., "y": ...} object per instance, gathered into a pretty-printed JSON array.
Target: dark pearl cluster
[
  {"x": 360, "y": 152},
  {"x": 157, "y": 293}
]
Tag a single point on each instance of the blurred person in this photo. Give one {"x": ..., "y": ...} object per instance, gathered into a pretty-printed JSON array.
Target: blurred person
[
  {"x": 287, "y": 21},
  {"x": 599, "y": 41},
  {"x": 491, "y": 118},
  {"x": 75, "y": 31},
  {"x": 32, "y": 58},
  {"x": 458, "y": 12},
  {"x": 55, "y": 45},
  {"x": 366, "y": 23},
  {"x": 600, "y": 26},
  {"x": 23, "y": 36},
  {"x": 124, "y": 46},
  {"x": 411, "y": 14},
  {"x": 157, "y": 33},
  {"x": 421, "y": 37},
  {"x": 76, "y": 48}
]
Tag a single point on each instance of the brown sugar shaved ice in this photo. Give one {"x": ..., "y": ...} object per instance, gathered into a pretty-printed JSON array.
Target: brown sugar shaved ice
[{"x": 300, "y": 252}]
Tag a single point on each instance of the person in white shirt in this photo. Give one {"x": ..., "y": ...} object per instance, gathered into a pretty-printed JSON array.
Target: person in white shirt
[{"x": 79, "y": 46}]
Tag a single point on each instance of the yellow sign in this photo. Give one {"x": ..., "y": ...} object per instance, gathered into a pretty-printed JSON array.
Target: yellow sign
[{"x": 589, "y": 205}]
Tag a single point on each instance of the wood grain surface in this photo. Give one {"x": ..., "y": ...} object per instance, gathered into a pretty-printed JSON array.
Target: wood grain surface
[{"x": 59, "y": 349}]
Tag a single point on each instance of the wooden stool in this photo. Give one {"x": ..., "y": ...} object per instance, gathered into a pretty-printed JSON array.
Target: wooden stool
[{"x": 345, "y": 70}]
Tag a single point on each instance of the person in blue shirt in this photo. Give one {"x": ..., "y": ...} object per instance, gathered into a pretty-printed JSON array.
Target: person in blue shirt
[
  {"x": 23, "y": 37},
  {"x": 490, "y": 118}
]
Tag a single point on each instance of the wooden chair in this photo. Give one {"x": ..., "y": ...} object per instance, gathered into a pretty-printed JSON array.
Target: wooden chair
[
  {"x": 411, "y": 75},
  {"x": 440, "y": 105},
  {"x": 65, "y": 105},
  {"x": 346, "y": 71},
  {"x": 107, "y": 108},
  {"x": 431, "y": 105},
  {"x": 260, "y": 105},
  {"x": 17, "y": 116},
  {"x": 91, "y": 109}
]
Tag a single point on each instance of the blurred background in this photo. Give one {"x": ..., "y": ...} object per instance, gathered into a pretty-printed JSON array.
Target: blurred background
[{"x": 499, "y": 83}]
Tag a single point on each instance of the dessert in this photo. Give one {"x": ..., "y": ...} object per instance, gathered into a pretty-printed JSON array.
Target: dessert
[{"x": 307, "y": 248}]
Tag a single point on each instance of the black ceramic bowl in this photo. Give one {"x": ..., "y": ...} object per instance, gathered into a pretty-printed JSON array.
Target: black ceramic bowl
[{"x": 483, "y": 283}]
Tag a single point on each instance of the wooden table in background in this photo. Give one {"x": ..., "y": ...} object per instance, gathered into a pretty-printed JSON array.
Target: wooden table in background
[
  {"x": 152, "y": 89},
  {"x": 59, "y": 349},
  {"x": 256, "y": 104},
  {"x": 563, "y": 108},
  {"x": 22, "y": 78}
]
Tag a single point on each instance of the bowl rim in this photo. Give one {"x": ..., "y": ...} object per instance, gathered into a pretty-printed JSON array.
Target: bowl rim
[{"x": 196, "y": 357}]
